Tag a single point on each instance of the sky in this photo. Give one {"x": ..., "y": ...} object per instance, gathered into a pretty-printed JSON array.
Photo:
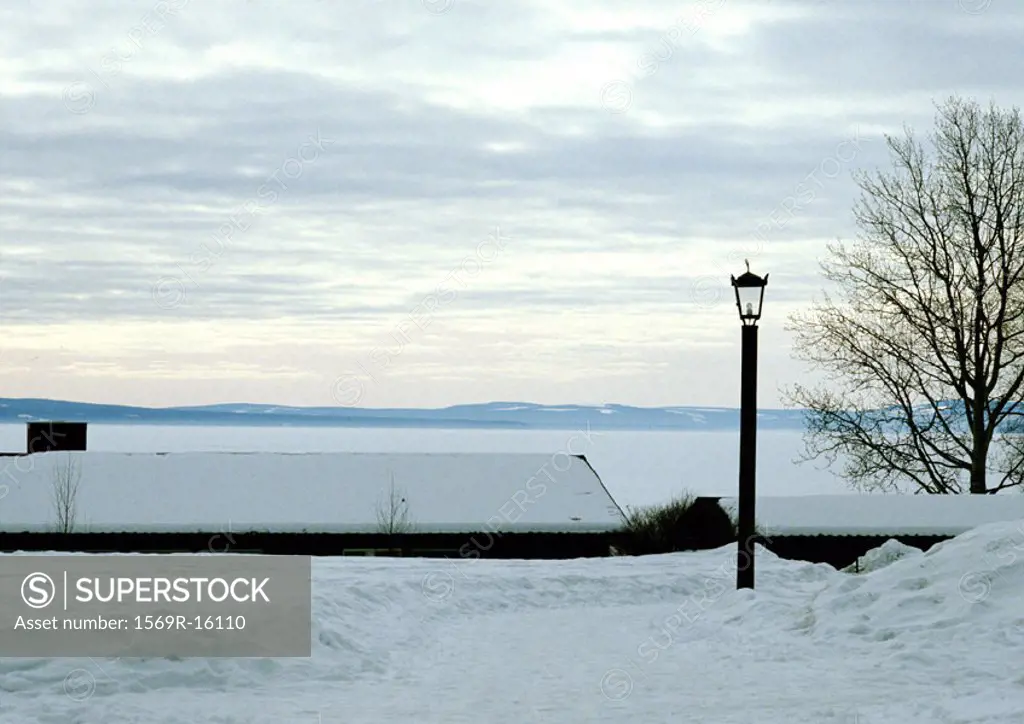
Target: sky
[{"x": 436, "y": 202}]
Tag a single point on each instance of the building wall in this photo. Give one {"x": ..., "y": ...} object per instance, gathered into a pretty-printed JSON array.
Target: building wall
[
  {"x": 480, "y": 545},
  {"x": 840, "y": 551},
  {"x": 837, "y": 551}
]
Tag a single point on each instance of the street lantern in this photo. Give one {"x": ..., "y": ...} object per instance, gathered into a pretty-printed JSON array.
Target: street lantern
[
  {"x": 749, "y": 300},
  {"x": 749, "y": 296}
]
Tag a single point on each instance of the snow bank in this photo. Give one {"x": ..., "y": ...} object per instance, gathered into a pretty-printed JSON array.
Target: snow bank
[
  {"x": 889, "y": 552},
  {"x": 934, "y": 637}
]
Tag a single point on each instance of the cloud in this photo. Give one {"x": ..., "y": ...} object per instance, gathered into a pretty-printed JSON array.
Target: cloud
[{"x": 299, "y": 177}]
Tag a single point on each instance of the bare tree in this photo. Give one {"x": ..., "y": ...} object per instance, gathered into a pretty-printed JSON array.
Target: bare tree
[
  {"x": 925, "y": 346},
  {"x": 66, "y": 478},
  {"x": 393, "y": 511}
]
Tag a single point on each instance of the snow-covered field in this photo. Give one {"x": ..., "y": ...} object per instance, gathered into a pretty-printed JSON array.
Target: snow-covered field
[{"x": 929, "y": 638}]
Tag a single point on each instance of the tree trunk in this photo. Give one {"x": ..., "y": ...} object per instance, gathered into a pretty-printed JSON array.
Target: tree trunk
[
  {"x": 981, "y": 438},
  {"x": 979, "y": 485}
]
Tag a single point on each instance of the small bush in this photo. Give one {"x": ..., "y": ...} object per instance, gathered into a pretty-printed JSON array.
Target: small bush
[{"x": 686, "y": 523}]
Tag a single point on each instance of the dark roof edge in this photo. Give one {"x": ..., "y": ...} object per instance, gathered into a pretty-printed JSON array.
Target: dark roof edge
[{"x": 603, "y": 487}]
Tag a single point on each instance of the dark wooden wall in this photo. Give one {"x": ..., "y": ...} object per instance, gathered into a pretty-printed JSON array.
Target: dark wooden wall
[
  {"x": 839, "y": 551},
  {"x": 461, "y": 545}
]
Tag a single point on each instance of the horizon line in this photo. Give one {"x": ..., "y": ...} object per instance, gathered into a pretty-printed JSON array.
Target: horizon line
[{"x": 387, "y": 409}]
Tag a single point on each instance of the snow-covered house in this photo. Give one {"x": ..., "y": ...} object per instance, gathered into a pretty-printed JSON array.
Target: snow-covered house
[
  {"x": 838, "y": 529},
  {"x": 469, "y": 505}
]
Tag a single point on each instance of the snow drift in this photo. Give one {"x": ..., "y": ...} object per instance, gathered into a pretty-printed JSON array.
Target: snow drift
[{"x": 932, "y": 637}]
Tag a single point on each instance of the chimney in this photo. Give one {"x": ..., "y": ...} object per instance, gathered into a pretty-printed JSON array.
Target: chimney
[{"x": 49, "y": 436}]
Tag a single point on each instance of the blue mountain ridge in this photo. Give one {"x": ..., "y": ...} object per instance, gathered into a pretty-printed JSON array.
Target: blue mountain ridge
[{"x": 491, "y": 415}]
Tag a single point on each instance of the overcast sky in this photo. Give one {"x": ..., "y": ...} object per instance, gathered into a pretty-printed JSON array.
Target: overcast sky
[{"x": 436, "y": 202}]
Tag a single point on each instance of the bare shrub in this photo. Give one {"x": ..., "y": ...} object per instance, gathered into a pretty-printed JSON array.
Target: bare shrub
[
  {"x": 393, "y": 512},
  {"x": 66, "y": 479}
]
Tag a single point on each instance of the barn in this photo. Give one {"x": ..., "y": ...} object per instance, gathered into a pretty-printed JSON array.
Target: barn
[
  {"x": 839, "y": 529},
  {"x": 473, "y": 505}
]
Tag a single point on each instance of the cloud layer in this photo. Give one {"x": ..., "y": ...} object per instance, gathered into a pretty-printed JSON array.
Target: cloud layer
[{"x": 452, "y": 201}]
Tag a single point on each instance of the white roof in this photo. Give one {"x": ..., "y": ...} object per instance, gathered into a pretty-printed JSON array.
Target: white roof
[
  {"x": 881, "y": 514},
  {"x": 311, "y": 492}
]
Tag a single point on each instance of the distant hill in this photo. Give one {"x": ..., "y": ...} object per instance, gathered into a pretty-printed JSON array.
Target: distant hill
[{"x": 499, "y": 415}]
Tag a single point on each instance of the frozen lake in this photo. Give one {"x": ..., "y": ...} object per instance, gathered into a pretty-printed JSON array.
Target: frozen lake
[{"x": 637, "y": 467}]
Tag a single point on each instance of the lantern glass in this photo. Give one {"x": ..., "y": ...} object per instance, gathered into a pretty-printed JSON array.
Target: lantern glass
[
  {"x": 750, "y": 301},
  {"x": 749, "y": 296}
]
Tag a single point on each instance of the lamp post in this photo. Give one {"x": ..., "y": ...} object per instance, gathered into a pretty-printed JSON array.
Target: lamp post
[{"x": 749, "y": 298}]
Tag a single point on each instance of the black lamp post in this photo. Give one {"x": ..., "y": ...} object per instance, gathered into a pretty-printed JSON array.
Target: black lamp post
[{"x": 749, "y": 297}]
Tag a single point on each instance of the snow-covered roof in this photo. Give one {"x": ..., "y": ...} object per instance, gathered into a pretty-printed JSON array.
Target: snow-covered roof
[
  {"x": 311, "y": 492},
  {"x": 881, "y": 514}
]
